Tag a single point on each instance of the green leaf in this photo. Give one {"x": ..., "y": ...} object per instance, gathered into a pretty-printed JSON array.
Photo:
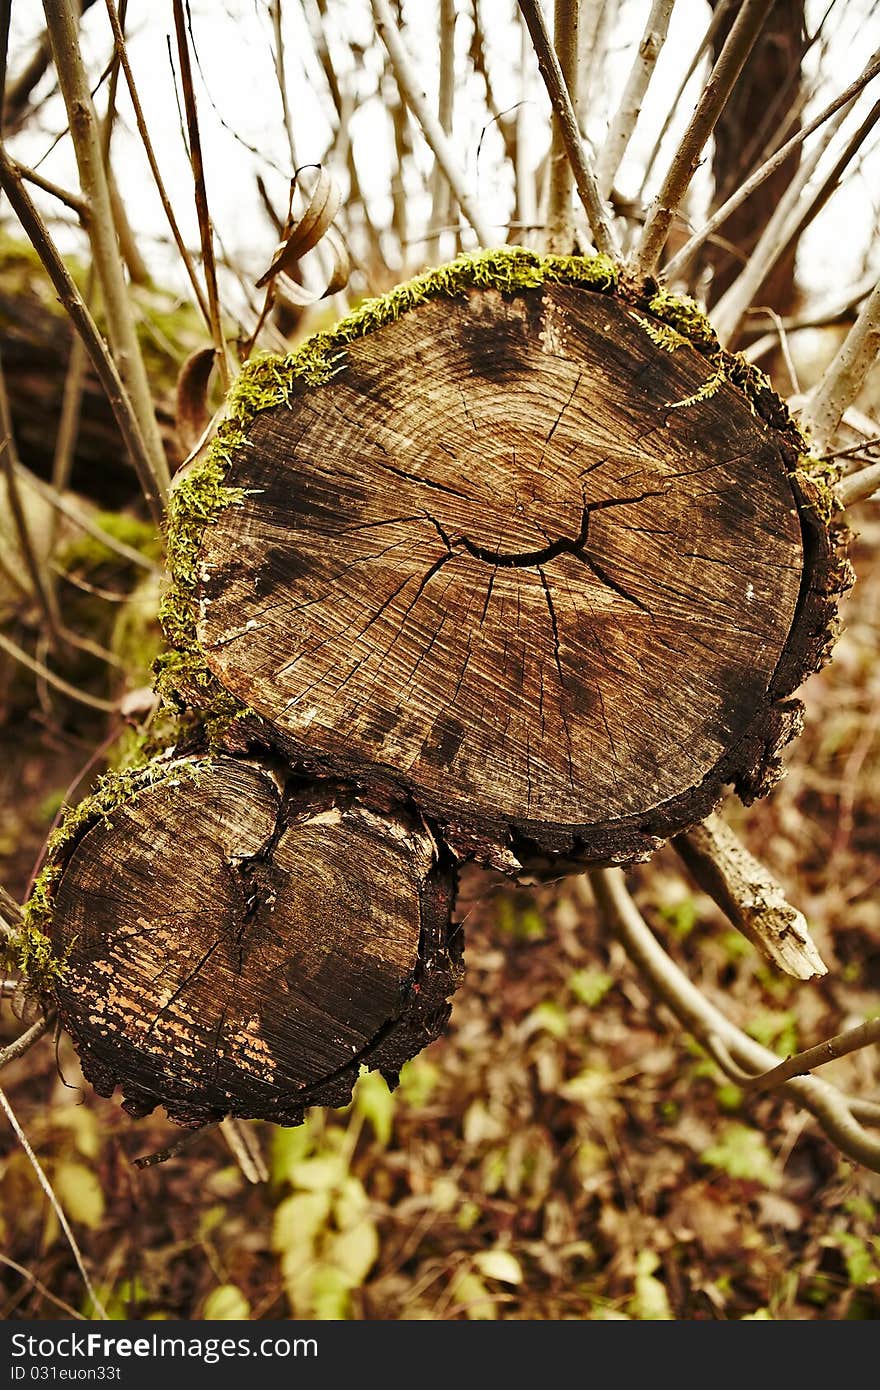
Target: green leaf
[
  {"x": 226, "y": 1303},
  {"x": 79, "y": 1192},
  {"x": 590, "y": 986},
  {"x": 329, "y": 1294},
  {"x": 742, "y": 1153},
  {"x": 418, "y": 1081},
  {"x": 374, "y": 1101},
  {"x": 650, "y": 1302},
  {"x": 320, "y": 1174},
  {"x": 298, "y": 1219},
  {"x": 354, "y": 1252},
  {"x": 775, "y": 1029},
  {"x": 474, "y": 1299},
  {"x": 352, "y": 1203},
  {"x": 500, "y": 1265},
  {"x": 550, "y": 1017},
  {"x": 289, "y": 1148}
]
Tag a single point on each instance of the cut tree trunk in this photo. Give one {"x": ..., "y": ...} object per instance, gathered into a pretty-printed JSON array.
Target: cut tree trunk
[
  {"x": 237, "y": 943},
  {"x": 532, "y": 560},
  {"x": 523, "y": 576}
]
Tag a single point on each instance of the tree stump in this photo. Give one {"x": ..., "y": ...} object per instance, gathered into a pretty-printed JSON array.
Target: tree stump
[
  {"x": 239, "y": 944},
  {"x": 529, "y": 558},
  {"x": 514, "y": 564}
]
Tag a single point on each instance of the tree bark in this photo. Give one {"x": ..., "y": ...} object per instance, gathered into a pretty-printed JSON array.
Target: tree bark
[
  {"x": 533, "y": 562},
  {"x": 238, "y": 942}
]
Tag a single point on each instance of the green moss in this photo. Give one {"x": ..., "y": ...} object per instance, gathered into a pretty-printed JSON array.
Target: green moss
[
  {"x": 684, "y": 315},
  {"x": 705, "y": 392},
  {"x": 88, "y": 553},
  {"x": 31, "y": 948},
  {"x": 818, "y": 478},
  {"x": 663, "y": 335}
]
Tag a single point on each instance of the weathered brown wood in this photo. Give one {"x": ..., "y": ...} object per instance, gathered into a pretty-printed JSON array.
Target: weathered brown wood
[
  {"x": 236, "y": 943},
  {"x": 530, "y": 560}
]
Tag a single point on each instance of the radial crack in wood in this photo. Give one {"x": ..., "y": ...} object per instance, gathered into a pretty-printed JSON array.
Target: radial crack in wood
[
  {"x": 236, "y": 945},
  {"x": 529, "y": 557}
]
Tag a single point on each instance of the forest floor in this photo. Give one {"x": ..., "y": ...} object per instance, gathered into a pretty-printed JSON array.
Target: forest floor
[{"x": 563, "y": 1152}]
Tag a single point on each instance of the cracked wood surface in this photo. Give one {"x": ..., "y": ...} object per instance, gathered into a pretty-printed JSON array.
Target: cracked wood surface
[
  {"x": 506, "y": 562},
  {"x": 238, "y": 946}
]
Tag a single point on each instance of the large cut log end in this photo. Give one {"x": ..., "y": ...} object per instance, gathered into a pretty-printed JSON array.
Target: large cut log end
[
  {"x": 237, "y": 943},
  {"x": 530, "y": 555}
]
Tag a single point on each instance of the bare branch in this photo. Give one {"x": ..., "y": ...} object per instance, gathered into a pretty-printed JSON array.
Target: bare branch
[
  {"x": 719, "y": 13},
  {"x": 842, "y": 379},
  {"x": 679, "y": 263},
  {"x": 834, "y": 1111},
  {"x": 57, "y": 682},
  {"x": 737, "y": 47},
  {"x": 783, "y": 225},
  {"x": 245, "y": 1148},
  {"x": 25, "y": 1041},
  {"x": 201, "y": 195},
  {"x": 559, "y": 235},
  {"x": 595, "y": 207},
  {"x": 152, "y": 485},
  {"x": 627, "y": 114},
  {"x": 440, "y": 203},
  {"x": 62, "y": 25},
  {"x": 100, "y": 1310},
  {"x": 416, "y": 100},
  {"x": 750, "y": 897},
  {"x": 859, "y": 486}
]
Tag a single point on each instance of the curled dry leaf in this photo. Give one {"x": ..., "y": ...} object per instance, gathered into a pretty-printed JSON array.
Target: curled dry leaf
[
  {"x": 304, "y": 235},
  {"x": 293, "y": 293},
  {"x": 191, "y": 398}
]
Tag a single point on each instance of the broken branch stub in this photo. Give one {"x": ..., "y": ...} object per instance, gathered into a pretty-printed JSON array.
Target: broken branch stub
[
  {"x": 236, "y": 942},
  {"x": 529, "y": 556}
]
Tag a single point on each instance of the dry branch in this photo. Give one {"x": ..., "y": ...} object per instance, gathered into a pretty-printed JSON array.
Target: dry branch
[
  {"x": 835, "y": 1112},
  {"x": 627, "y": 114},
  {"x": 749, "y": 895},
  {"x": 62, "y": 25},
  {"x": 738, "y": 45},
  {"x": 413, "y": 93},
  {"x": 597, "y": 212}
]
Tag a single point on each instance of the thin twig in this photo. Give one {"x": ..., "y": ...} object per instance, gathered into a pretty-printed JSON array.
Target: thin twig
[
  {"x": 801, "y": 1063},
  {"x": 100, "y": 1310},
  {"x": 201, "y": 194},
  {"x": 596, "y": 209},
  {"x": 842, "y": 379},
  {"x": 57, "y": 682},
  {"x": 834, "y": 1111},
  {"x": 41, "y": 582},
  {"x": 245, "y": 1148},
  {"x": 71, "y": 200},
  {"x": 152, "y": 485},
  {"x": 41, "y": 1288},
  {"x": 713, "y": 98},
  {"x": 25, "y": 1041},
  {"x": 859, "y": 486},
  {"x": 627, "y": 114},
  {"x": 782, "y": 226},
  {"x": 81, "y": 519},
  {"x": 62, "y": 24},
  {"x": 71, "y": 405},
  {"x": 559, "y": 237},
  {"x": 681, "y": 260},
  {"x": 719, "y": 14},
  {"x": 415, "y": 98},
  {"x": 186, "y": 258}
]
